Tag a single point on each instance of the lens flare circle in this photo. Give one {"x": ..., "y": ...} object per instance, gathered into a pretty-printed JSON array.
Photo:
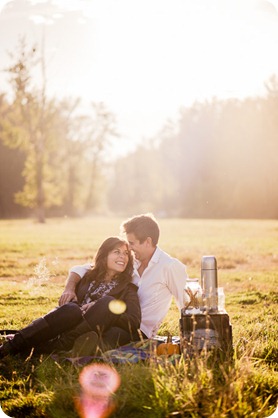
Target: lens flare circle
[
  {"x": 117, "y": 306},
  {"x": 99, "y": 380}
]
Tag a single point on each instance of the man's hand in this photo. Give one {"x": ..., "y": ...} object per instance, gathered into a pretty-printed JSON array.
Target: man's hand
[{"x": 67, "y": 296}]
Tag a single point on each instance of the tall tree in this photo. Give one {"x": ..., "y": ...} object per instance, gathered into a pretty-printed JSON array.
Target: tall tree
[
  {"x": 11, "y": 166},
  {"x": 100, "y": 128},
  {"x": 30, "y": 126},
  {"x": 84, "y": 141}
]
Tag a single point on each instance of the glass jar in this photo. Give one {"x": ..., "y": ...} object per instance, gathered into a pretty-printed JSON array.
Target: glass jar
[
  {"x": 221, "y": 299},
  {"x": 192, "y": 297}
]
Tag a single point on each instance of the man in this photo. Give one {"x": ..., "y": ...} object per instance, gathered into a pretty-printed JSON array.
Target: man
[{"x": 157, "y": 275}]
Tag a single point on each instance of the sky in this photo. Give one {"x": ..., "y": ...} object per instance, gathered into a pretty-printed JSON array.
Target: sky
[{"x": 147, "y": 59}]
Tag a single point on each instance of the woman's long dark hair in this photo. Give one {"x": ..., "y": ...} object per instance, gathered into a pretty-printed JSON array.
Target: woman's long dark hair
[{"x": 99, "y": 268}]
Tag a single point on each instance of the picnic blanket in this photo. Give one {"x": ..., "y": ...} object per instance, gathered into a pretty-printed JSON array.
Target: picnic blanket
[
  {"x": 130, "y": 353},
  {"x": 135, "y": 352}
]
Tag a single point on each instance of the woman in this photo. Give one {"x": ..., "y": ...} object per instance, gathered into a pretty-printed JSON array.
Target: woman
[{"x": 107, "y": 281}]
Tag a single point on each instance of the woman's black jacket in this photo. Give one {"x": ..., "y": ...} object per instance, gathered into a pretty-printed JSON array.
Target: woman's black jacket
[{"x": 125, "y": 291}]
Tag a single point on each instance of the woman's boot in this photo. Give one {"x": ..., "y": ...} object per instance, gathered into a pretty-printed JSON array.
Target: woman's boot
[
  {"x": 43, "y": 329},
  {"x": 26, "y": 338}
]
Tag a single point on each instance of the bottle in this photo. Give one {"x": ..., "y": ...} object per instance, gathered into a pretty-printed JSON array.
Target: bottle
[
  {"x": 192, "y": 297},
  {"x": 209, "y": 283},
  {"x": 221, "y": 299}
]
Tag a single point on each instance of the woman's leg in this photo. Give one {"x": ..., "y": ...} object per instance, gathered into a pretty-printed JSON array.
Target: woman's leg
[
  {"x": 98, "y": 318},
  {"x": 43, "y": 329},
  {"x": 103, "y": 321}
]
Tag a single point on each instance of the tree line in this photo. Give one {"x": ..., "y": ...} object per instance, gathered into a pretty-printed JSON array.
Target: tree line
[
  {"x": 219, "y": 159},
  {"x": 59, "y": 148}
]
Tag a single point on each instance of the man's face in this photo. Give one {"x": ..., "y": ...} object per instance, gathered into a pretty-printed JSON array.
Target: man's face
[{"x": 141, "y": 251}]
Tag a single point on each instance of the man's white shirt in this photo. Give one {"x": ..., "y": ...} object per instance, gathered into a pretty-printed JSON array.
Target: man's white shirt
[{"x": 163, "y": 278}]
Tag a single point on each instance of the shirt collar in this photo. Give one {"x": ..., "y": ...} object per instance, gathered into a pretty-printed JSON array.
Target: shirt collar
[
  {"x": 154, "y": 260},
  {"x": 156, "y": 256}
]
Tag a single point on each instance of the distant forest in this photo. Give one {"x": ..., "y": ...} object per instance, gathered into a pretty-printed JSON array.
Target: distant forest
[{"x": 218, "y": 160}]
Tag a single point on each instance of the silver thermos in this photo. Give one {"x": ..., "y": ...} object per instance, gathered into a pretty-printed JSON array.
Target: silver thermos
[{"x": 209, "y": 283}]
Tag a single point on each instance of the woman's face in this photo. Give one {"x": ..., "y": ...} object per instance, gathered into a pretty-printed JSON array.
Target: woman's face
[{"x": 117, "y": 259}]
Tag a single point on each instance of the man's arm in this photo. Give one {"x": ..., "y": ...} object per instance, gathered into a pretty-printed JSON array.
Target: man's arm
[
  {"x": 177, "y": 276},
  {"x": 69, "y": 294},
  {"x": 75, "y": 275}
]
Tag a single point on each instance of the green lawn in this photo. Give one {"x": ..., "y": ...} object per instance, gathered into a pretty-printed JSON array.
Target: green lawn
[{"x": 34, "y": 262}]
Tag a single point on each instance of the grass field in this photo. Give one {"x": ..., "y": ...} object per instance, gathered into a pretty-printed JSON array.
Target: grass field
[{"x": 34, "y": 262}]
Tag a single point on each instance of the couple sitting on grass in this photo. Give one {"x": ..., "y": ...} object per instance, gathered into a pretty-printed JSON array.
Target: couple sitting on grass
[{"x": 112, "y": 303}]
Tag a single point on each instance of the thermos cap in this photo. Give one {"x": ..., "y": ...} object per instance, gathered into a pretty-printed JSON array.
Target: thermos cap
[{"x": 209, "y": 262}]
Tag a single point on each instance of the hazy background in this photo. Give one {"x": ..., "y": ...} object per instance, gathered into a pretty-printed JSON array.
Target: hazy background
[{"x": 176, "y": 110}]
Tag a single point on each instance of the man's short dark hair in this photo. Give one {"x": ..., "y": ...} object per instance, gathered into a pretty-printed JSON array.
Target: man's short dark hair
[{"x": 142, "y": 226}]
